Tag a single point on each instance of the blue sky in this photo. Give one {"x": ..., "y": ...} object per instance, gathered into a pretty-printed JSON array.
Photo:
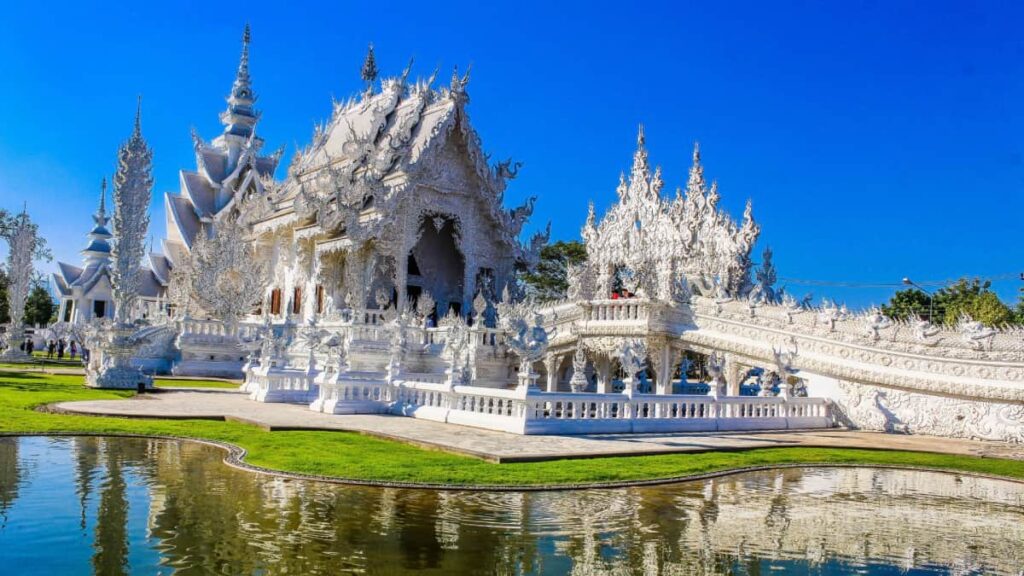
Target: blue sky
[{"x": 877, "y": 139}]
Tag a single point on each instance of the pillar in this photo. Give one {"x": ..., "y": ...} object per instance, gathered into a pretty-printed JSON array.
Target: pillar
[
  {"x": 603, "y": 367},
  {"x": 401, "y": 277},
  {"x": 663, "y": 374},
  {"x": 551, "y": 366},
  {"x": 468, "y": 284},
  {"x": 733, "y": 371}
]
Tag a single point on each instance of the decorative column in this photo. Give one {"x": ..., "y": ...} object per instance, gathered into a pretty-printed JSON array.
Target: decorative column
[
  {"x": 468, "y": 285},
  {"x": 733, "y": 371},
  {"x": 551, "y": 367},
  {"x": 663, "y": 382},
  {"x": 401, "y": 276},
  {"x": 603, "y": 367}
]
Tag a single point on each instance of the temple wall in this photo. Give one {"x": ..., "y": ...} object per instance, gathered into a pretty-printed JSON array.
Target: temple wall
[{"x": 886, "y": 409}]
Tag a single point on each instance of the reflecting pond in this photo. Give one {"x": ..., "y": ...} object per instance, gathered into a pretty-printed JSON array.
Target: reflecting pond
[{"x": 134, "y": 506}]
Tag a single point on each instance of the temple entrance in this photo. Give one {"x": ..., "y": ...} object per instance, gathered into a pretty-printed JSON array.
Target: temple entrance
[{"x": 437, "y": 266}]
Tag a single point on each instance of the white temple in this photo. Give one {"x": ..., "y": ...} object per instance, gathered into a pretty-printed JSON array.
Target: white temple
[{"x": 386, "y": 270}]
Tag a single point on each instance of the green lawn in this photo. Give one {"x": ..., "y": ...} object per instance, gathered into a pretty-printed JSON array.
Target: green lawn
[
  {"x": 181, "y": 383},
  {"x": 354, "y": 456}
]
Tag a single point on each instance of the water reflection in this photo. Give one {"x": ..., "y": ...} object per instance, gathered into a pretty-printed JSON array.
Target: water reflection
[{"x": 119, "y": 506}]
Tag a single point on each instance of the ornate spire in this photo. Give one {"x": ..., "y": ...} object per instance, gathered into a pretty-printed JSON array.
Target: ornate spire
[
  {"x": 369, "y": 71},
  {"x": 101, "y": 213},
  {"x": 133, "y": 186},
  {"x": 641, "y": 169},
  {"x": 98, "y": 249},
  {"x": 240, "y": 117},
  {"x": 457, "y": 86},
  {"x": 137, "y": 132},
  {"x": 695, "y": 185}
]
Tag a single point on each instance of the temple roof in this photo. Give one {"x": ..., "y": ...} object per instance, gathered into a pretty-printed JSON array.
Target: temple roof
[
  {"x": 381, "y": 132},
  {"x": 185, "y": 221}
]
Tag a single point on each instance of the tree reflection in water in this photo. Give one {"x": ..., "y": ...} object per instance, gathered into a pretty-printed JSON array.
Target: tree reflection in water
[{"x": 152, "y": 506}]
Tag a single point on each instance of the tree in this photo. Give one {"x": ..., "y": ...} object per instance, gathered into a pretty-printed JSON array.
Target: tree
[
  {"x": 1019, "y": 312},
  {"x": 548, "y": 281},
  {"x": 909, "y": 302},
  {"x": 39, "y": 308},
  {"x": 972, "y": 297}
]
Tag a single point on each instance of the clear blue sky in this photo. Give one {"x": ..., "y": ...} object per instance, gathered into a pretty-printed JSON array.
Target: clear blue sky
[{"x": 877, "y": 139}]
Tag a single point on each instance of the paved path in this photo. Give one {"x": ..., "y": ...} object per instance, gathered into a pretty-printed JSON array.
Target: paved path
[{"x": 500, "y": 446}]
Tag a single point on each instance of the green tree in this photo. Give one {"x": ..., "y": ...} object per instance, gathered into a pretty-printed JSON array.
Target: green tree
[
  {"x": 548, "y": 281},
  {"x": 909, "y": 302},
  {"x": 970, "y": 296},
  {"x": 39, "y": 309},
  {"x": 973, "y": 297}
]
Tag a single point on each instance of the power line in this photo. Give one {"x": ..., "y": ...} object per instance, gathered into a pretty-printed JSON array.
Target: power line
[{"x": 853, "y": 284}]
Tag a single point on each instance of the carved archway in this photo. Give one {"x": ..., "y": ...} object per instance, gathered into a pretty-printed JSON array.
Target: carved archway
[{"x": 436, "y": 264}]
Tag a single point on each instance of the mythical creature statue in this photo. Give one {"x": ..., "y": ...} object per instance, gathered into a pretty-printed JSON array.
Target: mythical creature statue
[
  {"x": 974, "y": 333},
  {"x": 830, "y": 314},
  {"x": 520, "y": 214},
  {"x": 529, "y": 343},
  {"x": 508, "y": 169},
  {"x": 875, "y": 322},
  {"x": 923, "y": 329},
  {"x": 633, "y": 357}
]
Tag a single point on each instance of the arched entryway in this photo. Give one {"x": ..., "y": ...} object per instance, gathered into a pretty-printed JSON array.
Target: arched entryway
[{"x": 436, "y": 265}]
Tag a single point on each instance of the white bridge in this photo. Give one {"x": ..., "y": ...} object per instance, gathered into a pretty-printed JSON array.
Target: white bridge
[{"x": 839, "y": 370}]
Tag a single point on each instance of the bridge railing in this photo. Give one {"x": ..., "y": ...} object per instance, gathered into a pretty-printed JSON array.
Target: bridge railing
[{"x": 535, "y": 412}]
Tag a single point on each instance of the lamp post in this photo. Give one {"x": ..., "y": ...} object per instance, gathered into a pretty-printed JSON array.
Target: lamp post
[{"x": 931, "y": 311}]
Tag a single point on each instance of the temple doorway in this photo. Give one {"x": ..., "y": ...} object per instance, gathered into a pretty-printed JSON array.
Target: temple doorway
[{"x": 436, "y": 265}]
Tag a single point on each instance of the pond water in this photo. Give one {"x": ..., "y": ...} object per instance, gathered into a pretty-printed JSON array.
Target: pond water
[{"x": 134, "y": 506}]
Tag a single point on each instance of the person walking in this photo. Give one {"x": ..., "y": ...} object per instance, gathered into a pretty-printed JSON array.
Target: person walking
[
  {"x": 60, "y": 349},
  {"x": 50, "y": 347},
  {"x": 74, "y": 349}
]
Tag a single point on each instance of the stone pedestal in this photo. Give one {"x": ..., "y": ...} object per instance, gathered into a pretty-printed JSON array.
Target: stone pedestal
[{"x": 114, "y": 349}]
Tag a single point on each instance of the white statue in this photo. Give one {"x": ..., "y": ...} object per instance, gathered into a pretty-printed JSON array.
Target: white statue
[
  {"x": 923, "y": 329},
  {"x": 875, "y": 322},
  {"x": 974, "y": 333}
]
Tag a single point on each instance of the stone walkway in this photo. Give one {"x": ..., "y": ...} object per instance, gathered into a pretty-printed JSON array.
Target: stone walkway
[{"x": 219, "y": 404}]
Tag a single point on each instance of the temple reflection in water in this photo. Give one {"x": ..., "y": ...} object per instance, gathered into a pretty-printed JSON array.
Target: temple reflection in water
[{"x": 149, "y": 506}]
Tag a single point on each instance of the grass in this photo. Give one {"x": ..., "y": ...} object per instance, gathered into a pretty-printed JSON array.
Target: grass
[
  {"x": 355, "y": 456},
  {"x": 188, "y": 383}
]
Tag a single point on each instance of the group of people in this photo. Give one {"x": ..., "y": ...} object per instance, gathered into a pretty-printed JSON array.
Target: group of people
[{"x": 60, "y": 346}]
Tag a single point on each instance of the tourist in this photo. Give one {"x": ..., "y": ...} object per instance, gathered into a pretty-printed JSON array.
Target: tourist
[
  {"x": 50, "y": 347},
  {"x": 29, "y": 346},
  {"x": 60, "y": 349},
  {"x": 74, "y": 348}
]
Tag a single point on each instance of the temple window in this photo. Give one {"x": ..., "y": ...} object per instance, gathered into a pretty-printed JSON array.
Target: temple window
[
  {"x": 319, "y": 299},
  {"x": 297, "y": 301},
  {"x": 275, "y": 301}
]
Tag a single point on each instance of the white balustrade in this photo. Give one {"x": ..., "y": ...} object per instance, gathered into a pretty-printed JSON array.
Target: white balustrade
[
  {"x": 620, "y": 310},
  {"x": 538, "y": 412}
]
